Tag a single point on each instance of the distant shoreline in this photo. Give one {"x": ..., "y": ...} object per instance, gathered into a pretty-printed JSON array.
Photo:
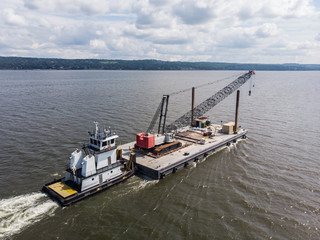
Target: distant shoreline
[{"x": 25, "y": 63}]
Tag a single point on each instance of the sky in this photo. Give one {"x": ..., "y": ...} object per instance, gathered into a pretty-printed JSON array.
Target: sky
[{"x": 242, "y": 31}]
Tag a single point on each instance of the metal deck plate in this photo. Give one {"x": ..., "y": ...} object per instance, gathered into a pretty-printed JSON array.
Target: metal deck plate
[{"x": 62, "y": 189}]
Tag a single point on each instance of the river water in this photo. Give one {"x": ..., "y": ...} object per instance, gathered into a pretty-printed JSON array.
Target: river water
[{"x": 264, "y": 187}]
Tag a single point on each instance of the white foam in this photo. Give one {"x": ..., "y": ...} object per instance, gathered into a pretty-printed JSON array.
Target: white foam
[
  {"x": 19, "y": 212},
  {"x": 203, "y": 159},
  {"x": 146, "y": 182}
]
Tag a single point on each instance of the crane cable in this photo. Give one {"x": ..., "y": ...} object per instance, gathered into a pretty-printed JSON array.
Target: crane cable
[
  {"x": 209, "y": 103},
  {"x": 205, "y": 84},
  {"x": 156, "y": 115}
]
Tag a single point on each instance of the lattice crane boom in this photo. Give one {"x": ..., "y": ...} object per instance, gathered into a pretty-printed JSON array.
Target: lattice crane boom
[
  {"x": 161, "y": 114},
  {"x": 209, "y": 103}
]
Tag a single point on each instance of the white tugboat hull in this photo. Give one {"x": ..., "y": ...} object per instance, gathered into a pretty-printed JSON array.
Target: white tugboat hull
[{"x": 65, "y": 195}]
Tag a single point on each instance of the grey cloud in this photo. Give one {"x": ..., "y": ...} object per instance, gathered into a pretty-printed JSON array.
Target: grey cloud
[
  {"x": 159, "y": 2},
  {"x": 135, "y": 33},
  {"x": 164, "y": 38},
  {"x": 278, "y": 44},
  {"x": 245, "y": 13},
  {"x": 267, "y": 12},
  {"x": 144, "y": 19},
  {"x": 89, "y": 10},
  {"x": 3, "y": 45},
  {"x": 73, "y": 35},
  {"x": 237, "y": 41},
  {"x": 170, "y": 41},
  {"x": 261, "y": 33},
  {"x": 191, "y": 14},
  {"x": 266, "y": 30},
  {"x": 33, "y": 5},
  {"x": 83, "y": 7},
  {"x": 152, "y": 19}
]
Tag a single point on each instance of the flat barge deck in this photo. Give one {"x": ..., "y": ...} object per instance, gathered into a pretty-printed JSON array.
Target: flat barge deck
[{"x": 194, "y": 147}]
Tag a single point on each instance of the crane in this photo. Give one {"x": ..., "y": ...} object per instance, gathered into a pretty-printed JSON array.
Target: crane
[
  {"x": 209, "y": 103},
  {"x": 200, "y": 110},
  {"x": 149, "y": 141}
]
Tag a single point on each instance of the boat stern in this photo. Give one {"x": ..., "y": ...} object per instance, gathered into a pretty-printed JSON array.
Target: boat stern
[{"x": 59, "y": 191}]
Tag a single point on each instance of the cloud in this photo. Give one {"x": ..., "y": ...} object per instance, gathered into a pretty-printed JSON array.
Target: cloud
[
  {"x": 153, "y": 16},
  {"x": 237, "y": 38},
  {"x": 193, "y": 30},
  {"x": 266, "y": 30},
  {"x": 193, "y": 12},
  {"x": 174, "y": 39},
  {"x": 286, "y": 9},
  {"x": 72, "y": 34},
  {"x": 36, "y": 4},
  {"x": 75, "y": 7},
  {"x": 11, "y": 18},
  {"x": 240, "y": 41},
  {"x": 97, "y": 44},
  {"x": 246, "y": 12},
  {"x": 307, "y": 45},
  {"x": 170, "y": 41},
  {"x": 149, "y": 19}
]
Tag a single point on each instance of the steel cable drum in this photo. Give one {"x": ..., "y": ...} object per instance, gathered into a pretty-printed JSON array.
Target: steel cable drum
[{"x": 209, "y": 103}]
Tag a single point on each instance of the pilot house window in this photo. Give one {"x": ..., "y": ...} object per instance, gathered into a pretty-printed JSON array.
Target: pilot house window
[{"x": 112, "y": 141}]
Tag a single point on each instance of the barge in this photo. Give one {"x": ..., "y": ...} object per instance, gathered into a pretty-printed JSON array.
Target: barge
[
  {"x": 189, "y": 138},
  {"x": 196, "y": 143}
]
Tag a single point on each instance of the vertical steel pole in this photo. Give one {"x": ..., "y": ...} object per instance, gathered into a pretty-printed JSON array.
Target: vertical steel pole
[
  {"x": 237, "y": 112},
  {"x": 165, "y": 114},
  {"x": 161, "y": 114},
  {"x": 192, "y": 106}
]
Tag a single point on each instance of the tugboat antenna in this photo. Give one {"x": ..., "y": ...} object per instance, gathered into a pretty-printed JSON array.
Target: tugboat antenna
[{"x": 96, "y": 133}]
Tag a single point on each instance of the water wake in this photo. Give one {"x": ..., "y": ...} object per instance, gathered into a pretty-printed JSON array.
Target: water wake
[
  {"x": 21, "y": 211},
  {"x": 145, "y": 183}
]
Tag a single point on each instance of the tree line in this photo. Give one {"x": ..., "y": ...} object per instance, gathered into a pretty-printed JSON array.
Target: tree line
[{"x": 24, "y": 63}]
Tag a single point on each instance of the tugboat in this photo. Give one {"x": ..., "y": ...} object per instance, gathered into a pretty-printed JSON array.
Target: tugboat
[{"x": 98, "y": 166}]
